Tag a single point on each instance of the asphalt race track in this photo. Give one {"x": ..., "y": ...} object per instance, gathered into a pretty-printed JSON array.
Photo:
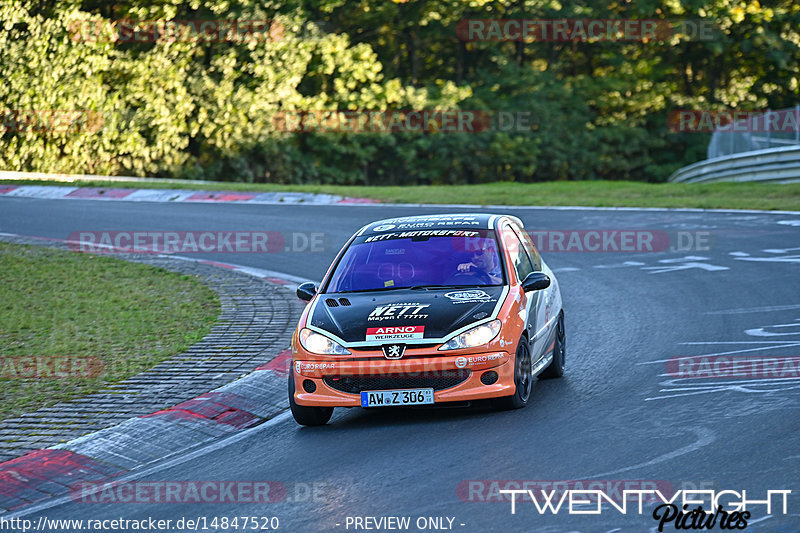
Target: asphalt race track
[{"x": 623, "y": 413}]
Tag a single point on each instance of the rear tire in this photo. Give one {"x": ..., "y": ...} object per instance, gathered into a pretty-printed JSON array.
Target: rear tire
[
  {"x": 305, "y": 415},
  {"x": 556, "y": 367},
  {"x": 523, "y": 380}
]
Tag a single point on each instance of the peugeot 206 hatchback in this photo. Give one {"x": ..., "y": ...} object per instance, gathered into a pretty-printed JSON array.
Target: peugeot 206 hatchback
[{"x": 425, "y": 310}]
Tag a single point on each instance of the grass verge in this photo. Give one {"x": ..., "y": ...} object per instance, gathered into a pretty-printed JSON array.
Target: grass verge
[
  {"x": 580, "y": 193},
  {"x": 71, "y": 323}
]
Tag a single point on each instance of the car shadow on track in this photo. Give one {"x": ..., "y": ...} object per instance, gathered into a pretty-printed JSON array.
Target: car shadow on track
[
  {"x": 358, "y": 417},
  {"x": 542, "y": 396}
]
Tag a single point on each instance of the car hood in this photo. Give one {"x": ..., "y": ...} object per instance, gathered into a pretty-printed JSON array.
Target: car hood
[{"x": 403, "y": 315}]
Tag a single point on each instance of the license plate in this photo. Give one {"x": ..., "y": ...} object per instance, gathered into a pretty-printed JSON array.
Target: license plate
[{"x": 383, "y": 398}]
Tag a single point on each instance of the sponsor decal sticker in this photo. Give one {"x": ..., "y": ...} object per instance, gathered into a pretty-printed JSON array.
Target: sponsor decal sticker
[
  {"x": 314, "y": 366},
  {"x": 477, "y": 359},
  {"x": 424, "y": 222},
  {"x": 395, "y": 333},
  {"x": 473, "y": 360},
  {"x": 469, "y": 296},
  {"x": 403, "y": 311}
]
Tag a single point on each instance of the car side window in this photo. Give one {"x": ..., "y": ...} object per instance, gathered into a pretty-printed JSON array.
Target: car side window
[
  {"x": 530, "y": 248},
  {"x": 519, "y": 257}
]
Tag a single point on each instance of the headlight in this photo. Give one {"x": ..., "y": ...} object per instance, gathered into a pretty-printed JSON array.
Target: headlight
[
  {"x": 320, "y": 344},
  {"x": 477, "y": 336}
]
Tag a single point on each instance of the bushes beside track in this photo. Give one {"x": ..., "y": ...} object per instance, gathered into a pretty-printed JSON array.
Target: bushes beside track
[{"x": 81, "y": 96}]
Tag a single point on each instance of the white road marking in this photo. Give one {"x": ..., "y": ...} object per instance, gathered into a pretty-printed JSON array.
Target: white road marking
[
  {"x": 684, "y": 263},
  {"x": 741, "y": 342},
  {"x": 770, "y": 347},
  {"x": 742, "y": 256},
  {"x": 743, "y": 310},
  {"x": 684, "y": 259},
  {"x": 703, "y": 382},
  {"x": 757, "y": 520},
  {"x": 705, "y": 389},
  {"x": 761, "y": 332},
  {"x": 621, "y": 265},
  {"x": 747, "y": 350},
  {"x": 704, "y": 438},
  {"x": 685, "y": 266},
  {"x": 779, "y": 250}
]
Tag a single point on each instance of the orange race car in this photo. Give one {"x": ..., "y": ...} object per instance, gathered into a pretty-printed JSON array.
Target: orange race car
[{"x": 427, "y": 309}]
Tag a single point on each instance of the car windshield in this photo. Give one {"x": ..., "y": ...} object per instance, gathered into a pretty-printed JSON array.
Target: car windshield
[{"x": 419, "y": 259}]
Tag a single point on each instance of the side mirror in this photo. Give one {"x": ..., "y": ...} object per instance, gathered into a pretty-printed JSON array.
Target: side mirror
[
  {"x": 307, "y": 290},
  {"x": 535, "y": 281}
]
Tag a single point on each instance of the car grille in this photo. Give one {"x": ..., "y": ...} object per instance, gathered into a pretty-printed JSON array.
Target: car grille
[
  {"x": 423, "y": 380},
  {"x": 378, "y": 347}
]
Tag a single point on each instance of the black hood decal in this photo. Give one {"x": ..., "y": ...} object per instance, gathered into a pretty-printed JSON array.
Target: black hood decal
[{"x": 403, "y": 315}]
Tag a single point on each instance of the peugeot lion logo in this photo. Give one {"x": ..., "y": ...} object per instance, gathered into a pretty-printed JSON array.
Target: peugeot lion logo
[{"x": 394, "y": 351}]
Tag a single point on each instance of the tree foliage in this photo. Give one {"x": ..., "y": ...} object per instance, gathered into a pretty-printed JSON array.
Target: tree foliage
[{"x": 209, "y": 109}]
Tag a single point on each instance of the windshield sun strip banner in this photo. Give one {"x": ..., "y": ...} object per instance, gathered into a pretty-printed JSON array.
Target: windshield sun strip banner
[{"x": 449, "y": 221}]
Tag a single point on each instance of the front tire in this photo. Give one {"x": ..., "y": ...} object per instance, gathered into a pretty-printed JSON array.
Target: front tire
[
  {"x": 305, "y": 415},
  {"x": 556, "y": 367},
  {"x": 523, "y": 380}
]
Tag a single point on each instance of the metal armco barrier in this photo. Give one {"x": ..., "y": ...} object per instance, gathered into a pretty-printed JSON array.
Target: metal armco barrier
[{"x": 773, "y": 165}]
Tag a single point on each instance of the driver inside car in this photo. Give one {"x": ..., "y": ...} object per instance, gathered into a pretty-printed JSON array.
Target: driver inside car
[{"x": 483, "y": 263}]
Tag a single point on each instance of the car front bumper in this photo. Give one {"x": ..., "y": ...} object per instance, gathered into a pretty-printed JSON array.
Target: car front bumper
[{"x": 328, "y": 377}]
